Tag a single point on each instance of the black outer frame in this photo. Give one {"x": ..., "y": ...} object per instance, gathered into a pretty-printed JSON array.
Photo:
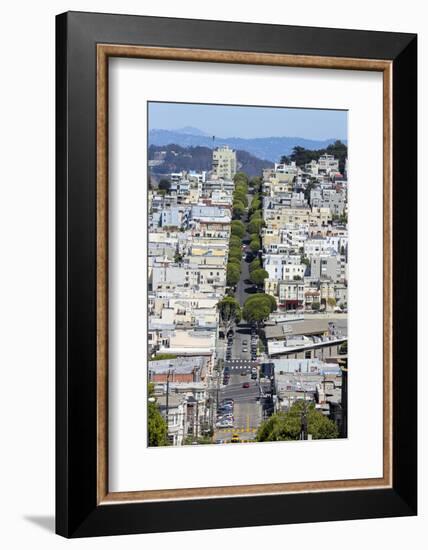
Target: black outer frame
[{"x": 77, "y": 513}]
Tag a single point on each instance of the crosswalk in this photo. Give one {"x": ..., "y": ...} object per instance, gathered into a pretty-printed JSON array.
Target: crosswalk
[
  {"x": 231, "y": 431},
  {"x": 239, "y": 361}
]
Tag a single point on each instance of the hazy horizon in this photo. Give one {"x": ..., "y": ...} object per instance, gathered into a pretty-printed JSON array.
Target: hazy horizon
[{"x": 248, "y": 122}]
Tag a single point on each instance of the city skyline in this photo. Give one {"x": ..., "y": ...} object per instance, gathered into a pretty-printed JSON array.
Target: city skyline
[{"x": 249, "y": 122}]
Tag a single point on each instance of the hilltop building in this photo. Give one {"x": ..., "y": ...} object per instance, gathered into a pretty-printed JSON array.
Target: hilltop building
[{"x": 224, "y": 162}]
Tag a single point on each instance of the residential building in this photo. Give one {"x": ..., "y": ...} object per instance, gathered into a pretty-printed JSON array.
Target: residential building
[{"x": 224, "y": 162}]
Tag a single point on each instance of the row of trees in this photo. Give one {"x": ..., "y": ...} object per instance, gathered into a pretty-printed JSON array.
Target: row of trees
[
  {"x": 255, "y": 224},
  {"x": 237, "y": 230},
  {"x": 256, "y": 309},
  {"x": 240, "y": 200}
]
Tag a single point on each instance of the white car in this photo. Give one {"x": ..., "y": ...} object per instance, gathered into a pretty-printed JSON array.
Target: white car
[{"x": 224, "y": 424}]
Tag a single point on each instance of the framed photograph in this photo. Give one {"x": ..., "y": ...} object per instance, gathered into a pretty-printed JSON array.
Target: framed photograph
[{"x": 236, "y": 246}]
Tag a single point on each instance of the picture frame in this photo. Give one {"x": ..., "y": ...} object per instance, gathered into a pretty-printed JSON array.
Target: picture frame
[{"x": 84, "y": 44}]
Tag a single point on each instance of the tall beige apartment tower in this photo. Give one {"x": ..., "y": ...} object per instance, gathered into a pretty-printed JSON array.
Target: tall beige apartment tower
[{"x": 224, "y": 162}]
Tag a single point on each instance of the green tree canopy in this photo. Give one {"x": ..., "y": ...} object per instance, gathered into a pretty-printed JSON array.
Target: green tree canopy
[
  {"x": 287, "y": 426},
  {"x": 315, "y": 306},
  {"x": 302, "y": 156},
  {"x": 234, "y": 241},
  {"x": 233, "y": 274},
  {"x": 235, "y": 252},
  {"x": 256, "y": 204},
  {"x": 255, "y": 244},
  {"x": 256, "y": 216},
  {"x": 164, "y": 184},
  {"x": 238, "y": 209},
  {"x": 254, "y": 226},
  {"x": 240, "y": 177},
  {"x": 241, "y": 196},
  {"x": 235, "y": 260},
  {"x": 258, "y": 276},
  {"x": 156, "y": 425},
  {"x": 256, "y": 182},
  {"x": 237, "y": 228},
  {"x": 255, "y": 264},
  {"x": 229, "y": 311},
  {"x": 258, "y": 307}
]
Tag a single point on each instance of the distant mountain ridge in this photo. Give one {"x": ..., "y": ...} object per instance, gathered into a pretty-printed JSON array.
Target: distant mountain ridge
[{"x": 267, "y": 148}]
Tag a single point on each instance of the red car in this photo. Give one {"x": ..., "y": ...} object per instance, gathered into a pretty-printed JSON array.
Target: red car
[{"x": 246, "y": 385}]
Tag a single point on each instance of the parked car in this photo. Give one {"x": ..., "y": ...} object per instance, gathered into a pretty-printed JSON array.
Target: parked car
[
  {"x": 225, "y": 418},
  {"x": 225, "y": 424}
]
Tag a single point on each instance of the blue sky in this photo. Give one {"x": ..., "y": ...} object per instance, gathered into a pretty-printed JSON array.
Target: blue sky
[{"x": 249, "y": 122}]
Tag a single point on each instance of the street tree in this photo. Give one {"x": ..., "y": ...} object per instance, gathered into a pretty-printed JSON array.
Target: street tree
[
  {"x": 240, "y": 177},
  {"x": 235, "y": 260},
  {"x": 287, "y": 426},
  {"x": 235, "y": 252},
  {"x": 164, "y": 184},
  {"x": 156, "y": 425},
  {"x": 255, "y": 264},
  {"x": 233, "y": 274},
  {"x": 241, "y": 196},
  {"x": 258, "y": 276},
  {"x": 254, "y": 226},
  {"x": 256, "y": 183},
  {"x": 331, "y": 302},
  {"x": 237, "y": 228},
  {"x": 235, "y": 241},
  {"x": 256, "y": 216},
  {"x": 230, "y": 312},
  {"x": 238, "y": 209},
  {"x": 258, "y": 307},
  {"x": 316, "y": 306},
  {"x": 255, "y": 244}
]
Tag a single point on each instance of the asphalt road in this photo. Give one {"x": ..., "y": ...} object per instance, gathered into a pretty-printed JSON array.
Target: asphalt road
[{"x": 246, "y": 410}]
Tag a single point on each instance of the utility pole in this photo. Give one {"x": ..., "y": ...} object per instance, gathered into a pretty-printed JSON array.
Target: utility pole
[
  {"x": 167, "y": 397},
  {"x": 304, "y": 416},
  {"x": 197, "y": 420}
]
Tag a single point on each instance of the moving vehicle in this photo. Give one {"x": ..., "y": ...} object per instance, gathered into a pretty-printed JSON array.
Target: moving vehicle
[{"x": 246, "y": 385}]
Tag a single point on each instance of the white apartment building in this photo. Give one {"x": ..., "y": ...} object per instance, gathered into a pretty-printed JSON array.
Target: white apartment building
[
  {"x": 291, "y": 294},
  {"x": 326, "y": 245},
  {"x": 283, "y": 267},
  {"x": 224, "y": 162},
  {"x": 328, "y": 164}
]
